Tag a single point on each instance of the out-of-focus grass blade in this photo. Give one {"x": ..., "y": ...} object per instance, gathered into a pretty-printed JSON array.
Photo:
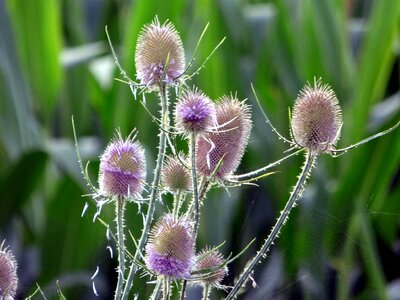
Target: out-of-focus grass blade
[
  {"x": 18, "y": 184},
  {"x": 18, "y": 127},
  {"x": 377, "y": 53},
  {"x": 69, "y": 241},
  {"x": 374, "y": 66},
  {"x": 37, "y": 27}
]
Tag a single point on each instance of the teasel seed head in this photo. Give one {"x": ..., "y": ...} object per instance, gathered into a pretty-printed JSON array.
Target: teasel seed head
[
  {"x": 159, "y": 56},
  {"x": 316, "y": 118},
  {"x": 229, "y": 142},
  {"x": 194, "y": 112},
  {"x": 211, "y": 260},
  {"x": 122, "y": 168},
  {"x": 8, "y": 273},
  {"x": 175, "y": 176},
  {"x": 170, "y": 249}
]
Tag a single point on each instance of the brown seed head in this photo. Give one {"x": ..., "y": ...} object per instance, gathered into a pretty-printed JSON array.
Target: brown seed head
[
  {"x": 233, "y": 117},
  {"x": 159, "y": 54},
  {"x": 316, "y": 118}
]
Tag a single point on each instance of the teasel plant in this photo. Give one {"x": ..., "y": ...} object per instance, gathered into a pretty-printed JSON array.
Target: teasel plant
[
  {"x": 160, "y": 65},
  {"x": 315, "y": 127}
]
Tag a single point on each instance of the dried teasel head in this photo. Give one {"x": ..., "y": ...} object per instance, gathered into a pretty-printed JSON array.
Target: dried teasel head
[
  {"x": 175, "y": 176},
  {"x": 159, "y": 56},
  {"x": 122, "y": 168},
  {"x": 194, "y": 112},
  {"x": 8, "y": 273},
  {"x": 229, "y": 142},
  {"x": 170, "y": 249},
  {"x": 213, "y": 262},
  {"x": 316, "y": 118}
]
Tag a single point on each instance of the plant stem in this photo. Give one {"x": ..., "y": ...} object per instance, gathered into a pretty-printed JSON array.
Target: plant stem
[
  {"x": 294, "y": 196},
  {"x": 177, "y": 204},
  {"x": 183, "y": 290},
  {"x": 206, "y": 292},
  {"x": 154, "y": 190},
  {"x": 194, "y": 184},
  {"x": 120, "y": 206},
  {"x": 156, "y": 295},
  {"x": 166, "y": 288}
]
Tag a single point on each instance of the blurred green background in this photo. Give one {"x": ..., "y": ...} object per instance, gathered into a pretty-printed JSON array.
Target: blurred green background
[{"x": 343, "y": 239}]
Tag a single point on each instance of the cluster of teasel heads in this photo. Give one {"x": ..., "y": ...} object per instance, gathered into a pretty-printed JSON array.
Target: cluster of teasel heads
[{"x": 217, "y": 134}]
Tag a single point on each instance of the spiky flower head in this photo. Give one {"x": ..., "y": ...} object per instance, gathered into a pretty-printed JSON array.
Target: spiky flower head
[
  {"x": 170, "y": 250},
  {"x": 229, "y": 143},
  {"x": 194, "y": 112},
  {"x": 176, "y": 176},
  {"x": 8, "y": 273},
  {"x": 159, "y": 54},
  {"x": 122, "y": 168},
  {"x": 316, "y": 118},
  {"x": 211, "y": 261}
]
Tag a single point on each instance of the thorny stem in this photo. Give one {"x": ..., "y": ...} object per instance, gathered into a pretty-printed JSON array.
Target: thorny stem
[
  {"x": 156, "y": 295},
  {"x": 154, "y": 191},
  {"x": 177, "y": 204},
  {"x": 294, "y": 196},
  {"x": 166, "y": 288},
  {"x": 194, "y": 184},
  {"x": 206, "y": 292},
  {"x": 120, "y": 206},
  {"x": 269, "y": 166},
  {"x": 183, "y": 290}
]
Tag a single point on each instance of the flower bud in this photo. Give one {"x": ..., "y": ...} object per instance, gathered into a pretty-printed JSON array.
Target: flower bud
[
  {"x": 8, "y": 273},
  {"x": 194, "y": 112},
  {"x": 170, "y": 250},
  {"x": 176, "y": 176},
  {"x": 213, "y": 261},
  {"x": 316, "y": 118},
  {"x": 122, "y": 168},
  {"x": 229, "y": 143},
  {"x": 159, "y": 54}
]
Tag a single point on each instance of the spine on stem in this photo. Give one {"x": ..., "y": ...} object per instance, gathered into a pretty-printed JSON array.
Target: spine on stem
[{"x": 294, "y": 196}]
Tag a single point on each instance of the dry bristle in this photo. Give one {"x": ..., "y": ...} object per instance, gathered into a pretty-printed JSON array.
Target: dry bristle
[
  {"x": 228, "y": 145},
  {"x": 8, "y": 274},
  {"x": 316, "y": 118},
  {"x": 159, "y": 54}
]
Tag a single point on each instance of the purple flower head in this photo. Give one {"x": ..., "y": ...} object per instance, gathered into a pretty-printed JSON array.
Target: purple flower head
[
  {"x": 316, "y": 118},
  {"x": 194, "y": 112},
  {"x": 176, "y": 176},
  {"x": 8, "y": 273},
  {"x": 228, "y": 145},
  {"x": 211, "y": 261},
  {"x": 170, "y": 250},
  {"x": 122, "y": 168},
  {"x": 159, "y": 54}
]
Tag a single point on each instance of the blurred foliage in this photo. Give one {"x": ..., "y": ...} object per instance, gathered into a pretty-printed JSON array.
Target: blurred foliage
[{"x": 341, "y": 242}]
